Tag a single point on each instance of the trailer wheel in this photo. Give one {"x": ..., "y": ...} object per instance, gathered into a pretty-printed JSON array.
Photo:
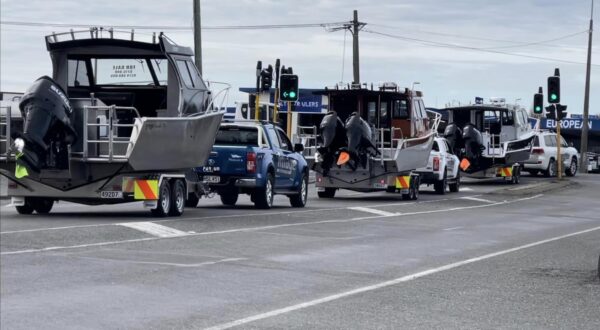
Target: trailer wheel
[
  {"x": 177, "y": 198},
  {"x": 327, "y": 193},
  {"x": 441, "y": 186},
  {"x": 390, "y": 189},
  {"x": 42, "y": 205},
  {"x": 416, "y": 182},
  {"x": 229, "y": 197},
  {"x": 516, "y": 177},
  {"x": 26, "y": 208},
  {"x": 164, "y": 200}
]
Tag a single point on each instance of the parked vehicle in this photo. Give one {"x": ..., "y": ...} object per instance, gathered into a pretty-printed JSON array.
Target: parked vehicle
[
  {"x": 371, "y": 140},
  {"x": 491, "y": 140},
  {"x": 442, "y": 170},
  {"x": 593, "y": 162},
  {"x": 120, "y": 120},
  {"x": 258, "y": 159},
  {"x": 544, "y": 158}
]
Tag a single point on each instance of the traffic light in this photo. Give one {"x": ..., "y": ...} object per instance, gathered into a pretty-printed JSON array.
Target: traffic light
[
  {"x": 551, "y": 112},
  {"x": 289, "y": 87},
  {"x": 561, "y": 111},
  {"x": 538, "y": 103},
  {"x": 266, "y": 78},
  {"x": 554, "y": 89}
]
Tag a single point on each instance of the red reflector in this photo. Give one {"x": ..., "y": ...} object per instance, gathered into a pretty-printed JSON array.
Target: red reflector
[
  {"x": 251, "y": 162},
  {"x": 436, "y": 163},
  {"x": 537, "y": 151}
]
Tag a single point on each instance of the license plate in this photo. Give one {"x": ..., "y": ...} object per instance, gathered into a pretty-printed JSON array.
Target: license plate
[
  {"x": 211, "y": 179},
  {"x": 380, "y": 185},
  {"x": 111, "y": 194}
]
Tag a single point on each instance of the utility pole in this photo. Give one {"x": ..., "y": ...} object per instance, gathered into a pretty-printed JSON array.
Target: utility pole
[
  {"x": 356, "y": 26},
  {"x": 197, "y": 36},
  {"x": 586, "y": 101}
]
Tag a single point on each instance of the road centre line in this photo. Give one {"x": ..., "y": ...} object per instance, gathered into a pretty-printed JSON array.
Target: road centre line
[
  {"x": 477, "y": 199},
  {"x": 393, "y": 282},
  {"x": 223, "y": 216},
  {"x": 373, "y": 211},
  {"x": 154, "y": 229},
  {"x": 253, "y": 229},
  {"x": 452, "y": 228}
]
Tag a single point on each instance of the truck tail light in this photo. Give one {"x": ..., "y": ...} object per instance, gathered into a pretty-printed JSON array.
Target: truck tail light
[
  {"x": 537, "y": 151},
  {"x": 436, "y": 163},
  {"x": 251, "y": 162}
]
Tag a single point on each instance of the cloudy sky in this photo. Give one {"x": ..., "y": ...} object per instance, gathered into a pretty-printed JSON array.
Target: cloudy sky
[{"x": 446, "y": 74}]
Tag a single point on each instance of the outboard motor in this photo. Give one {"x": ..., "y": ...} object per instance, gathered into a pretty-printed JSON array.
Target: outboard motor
[
  {"x": 47, "y": 131},
  {"x": 453, "y": 135},
  {"x": 360, "y": 144},
  {"x": 473, "y": 142},
  {"x": 333, "y": 136}
]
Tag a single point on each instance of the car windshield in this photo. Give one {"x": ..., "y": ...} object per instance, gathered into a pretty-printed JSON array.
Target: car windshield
[{"x": 237, "y": 136}]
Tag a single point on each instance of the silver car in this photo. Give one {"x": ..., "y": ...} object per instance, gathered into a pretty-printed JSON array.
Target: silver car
[{"x": 543, "y": 157}]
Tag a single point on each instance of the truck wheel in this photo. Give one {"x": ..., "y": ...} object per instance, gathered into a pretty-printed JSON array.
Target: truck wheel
[
  {"x": 441, "y": 186},
  {"x": 455, "y": 185},
  {"x": 229, "y": 197},
  {"x": 192, "y": 200},
  {"x": 299, "y": 200},
  {"x": 177, "y": 198},
  {"x": 327, "y": 193},
  {"x": 572, "y": 170},
  {"x": 164, "y": 200},
  {"x": 263, "y": 197},
  {"x": 42, "y": 205},
  {"x": 26, "y": 208}
]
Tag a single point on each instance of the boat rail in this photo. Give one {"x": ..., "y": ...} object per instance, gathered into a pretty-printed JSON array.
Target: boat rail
[
  {"x": 101, "y": 33},
  {"x": 5, "y": 138},
  {"x": 307, "y": 135},
  {"x": 112, "y": 122}
]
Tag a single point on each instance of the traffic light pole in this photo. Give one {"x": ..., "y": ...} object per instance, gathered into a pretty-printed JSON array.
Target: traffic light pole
[
  {"x": 289, "y": 119},
  {"x": 558, "y": 145},
  {"x": 276, "y": 97},
  {"x": 257, "y": 99}
]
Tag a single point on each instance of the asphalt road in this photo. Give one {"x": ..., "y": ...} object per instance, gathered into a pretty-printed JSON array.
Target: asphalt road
[{"x": 491, "y": 256}]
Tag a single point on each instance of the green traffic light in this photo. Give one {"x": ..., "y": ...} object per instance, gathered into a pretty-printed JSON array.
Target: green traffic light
[
  {"x": 292, "y": 94},
  {"x": 538, "y": 109},
  {"x": 553, "y": 97}
]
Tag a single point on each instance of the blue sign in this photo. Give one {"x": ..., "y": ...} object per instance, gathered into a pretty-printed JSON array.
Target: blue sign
[
  {"x": 568, "y": 123},
  {"x": 478, "y": 100},
  {"x": 307, "y": 101}
]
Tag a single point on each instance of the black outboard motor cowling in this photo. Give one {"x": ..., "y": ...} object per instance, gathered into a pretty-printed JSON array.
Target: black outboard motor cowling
[
  {"x": 47, "y": 130},
  {"x": 333, "y": 137},
  {"x": 360, "y": 144},
  {"x": 473, "y": 142},
  {"x": 453, "y": 135}
]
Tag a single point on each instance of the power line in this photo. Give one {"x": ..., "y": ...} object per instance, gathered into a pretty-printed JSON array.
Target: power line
[
  {"x": 179, "y": 28},
  {"x": 455, "y": 46},
  {"x": 539, "y": 42}
]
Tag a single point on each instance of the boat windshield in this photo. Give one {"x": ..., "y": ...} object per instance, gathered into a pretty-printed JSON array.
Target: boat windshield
[{"x": 119, "y": 72}]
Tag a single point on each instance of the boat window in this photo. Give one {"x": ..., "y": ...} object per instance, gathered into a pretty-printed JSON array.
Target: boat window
[
  {"x": 122, "y": 71},
  {"x": 383, "y": 114},
  {"x": 161, "y": 70},
  {"x": 237, "y": 136},
  {"x": 423, "y": 110},
  {"x": 77, "y": 72},
  {"x": 372, "y": 111},
  {"x": 508, "y": 118},
  {"x": 185, "y": 73},
  {"x": 435, "y": 147},
  {"x": 196, "y": 79},
  {"x": 400, "y": 110}
]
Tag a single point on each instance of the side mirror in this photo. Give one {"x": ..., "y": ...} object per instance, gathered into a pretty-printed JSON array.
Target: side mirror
[{"x": 298, "y": 147}]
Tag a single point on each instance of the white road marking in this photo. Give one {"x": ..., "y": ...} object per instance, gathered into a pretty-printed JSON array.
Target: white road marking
[
  {"x": 154, "y": 229},
  {"x": 531, "y": 185},
  {"x": 373, "y": 211},
  {"x": 174, "y": 264},
  {"x": 251, "y": 229},
  {"x": 466, "y": 189},
  {"x": 380, "y": 285},
  {"x": 224, "y": 216},
  {"x": 452, "y": 228},
  {"x": 478, "y": 199}
]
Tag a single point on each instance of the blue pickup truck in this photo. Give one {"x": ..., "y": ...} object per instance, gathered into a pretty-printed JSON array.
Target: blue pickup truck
[{"x": 258, "y": 159}]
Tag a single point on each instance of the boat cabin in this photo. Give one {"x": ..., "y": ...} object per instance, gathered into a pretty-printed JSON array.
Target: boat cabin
[{"x": 387, "y": 109}]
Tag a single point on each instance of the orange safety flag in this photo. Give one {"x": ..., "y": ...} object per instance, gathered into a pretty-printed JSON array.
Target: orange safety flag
[
  {"x": 464, "y": 164},
  {"x": 403, "y": 182},
  {"x": 343, "y": 158},
  {"x": 145, "y": 190}
]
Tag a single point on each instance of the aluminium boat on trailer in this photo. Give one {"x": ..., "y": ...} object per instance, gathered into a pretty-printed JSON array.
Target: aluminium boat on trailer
[
  {"x": 492, "y": 140},
  {"x": 371, "y": 140},
  {"x": 120, "y": 120}
]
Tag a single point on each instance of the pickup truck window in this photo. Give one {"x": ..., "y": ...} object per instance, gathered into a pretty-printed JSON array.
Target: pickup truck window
[
  {"x": 237, "y": 136},
  {"x": 435, "y": 146},
  {"x": 284, "y": 142},
  {"x": 273, "y": 137}
]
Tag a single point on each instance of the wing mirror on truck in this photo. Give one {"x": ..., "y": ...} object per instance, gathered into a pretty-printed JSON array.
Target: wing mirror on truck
[{"x": 298, "y": 147}]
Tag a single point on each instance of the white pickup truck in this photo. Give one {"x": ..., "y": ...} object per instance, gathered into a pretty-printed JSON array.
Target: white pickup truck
[{"x": 442, "y": 169}]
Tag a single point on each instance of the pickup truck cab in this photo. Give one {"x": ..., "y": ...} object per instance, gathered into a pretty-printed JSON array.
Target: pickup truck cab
[
  {"x": 442, "y": 168},
  {"x": 258, "y": 159}
]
